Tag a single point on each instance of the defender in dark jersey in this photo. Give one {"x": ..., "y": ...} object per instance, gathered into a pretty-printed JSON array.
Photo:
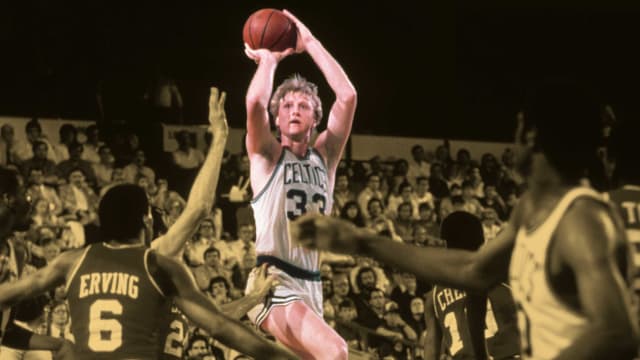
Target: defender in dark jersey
[
  {"x": 455, "y": 318},
  {"x": 118, "y": 288}
]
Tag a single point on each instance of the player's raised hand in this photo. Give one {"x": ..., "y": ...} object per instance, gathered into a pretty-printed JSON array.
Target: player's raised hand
[
  {"x": 217, "y": 115},
  {"x": 263, "y": 283},
  {"x": 316, "y": 231},
  {"x": 259, "y": 55},
  {"x": 304, "y": 34}
]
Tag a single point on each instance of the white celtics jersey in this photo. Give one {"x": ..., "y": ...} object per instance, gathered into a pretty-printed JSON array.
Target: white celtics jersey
[
  {"x": 297, "y": 186},
  {"x": 547, "y": 325}
]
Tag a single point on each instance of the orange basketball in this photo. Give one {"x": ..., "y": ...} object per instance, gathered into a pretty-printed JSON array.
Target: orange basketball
[{"x": 269, "y": 29}]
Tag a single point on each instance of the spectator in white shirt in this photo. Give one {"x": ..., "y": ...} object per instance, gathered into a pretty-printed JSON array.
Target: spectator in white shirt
[
  {"x": 137, "y": 166},
  {"x": 187, "y": 156},
  {"x": 419, "y": 166},
  {"x": 371, "y": 190}
]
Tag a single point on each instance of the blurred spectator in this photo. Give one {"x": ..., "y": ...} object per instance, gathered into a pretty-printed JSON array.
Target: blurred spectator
[
  {"x": 219, "y": 290},
  {"x": 416, "y": 320},
  {"x": 428, "y": 219},
  {"x": 165, "y": 100},
  {"x": 173, "y": 206},
  {"x": 241, "y": 273},
  {"x": 79, "y": 203},
  {"x": 232, "y": 252},
  {"x": 75, "y": 162},
  {"x": 204, "y": 239},
  {"x": 490, "y": 224},
  {"x": 461, "y": 167},
  {"x": 341, "y": 289},
  {"x": 405, "y": 195},
  {"x": 351, "y": 212},
  {"x": 371, "y": 309},
  {"x": 92, "y": 145},
  {"x": 7, "y": 145},
  {"x": 443, "y": 157},
  {"x": 117, "y": 177},
  {"x": 36, "y": 188},
  {"x": 104, "y": 167},
  {"x": 342, "y": 194},
  {"x": 471, "y": 203},
  {"x": 60, "y": 321},
  {"x": 24, "y": 150},
  {"x": 199, "y": 349},
  {"x": 489, "y": 168},
  {"x": 494, "y": 201},
  {"x": 125, "y": 148},
  {"x": 476, "y": 181},
  {"x": 419, "y": 167},
  {"x": 422, "y": 195},
  {"x": 137, "y": 167},
  {"x": 42, "y": 214},
  {"x": 378, "y": 222},
  {"x": 438, "y": 184},
  {"x": 403, "y": 223},
  {"x": 187, "y": 156},
  {"x": 346, "y": 314},
  {"x": 39, "y": 160},
  {"x": 393, "y": 330},
  {"x": 509, "y": 167},
  {"x": 67, "y": 134},
  {"x": 211, "y": 268},
  {"x": 371, "y": 190},
  {"x": 236, "y": 193}
]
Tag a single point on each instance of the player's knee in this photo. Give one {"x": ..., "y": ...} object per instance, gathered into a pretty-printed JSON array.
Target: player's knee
[{"x": 338, "y": 349}]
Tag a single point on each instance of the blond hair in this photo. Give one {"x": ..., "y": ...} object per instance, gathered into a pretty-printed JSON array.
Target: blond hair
[{"x": 296, "y": 83}]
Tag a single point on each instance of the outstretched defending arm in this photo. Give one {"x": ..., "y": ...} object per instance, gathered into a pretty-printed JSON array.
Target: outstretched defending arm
[
  {"x": 203, "y": 191},
  {"x": 332, "y": 141},
  {"x": 42, "y": 280},
  {"x": 204, "y": 313},
  {"x": 474, "y": 271}
]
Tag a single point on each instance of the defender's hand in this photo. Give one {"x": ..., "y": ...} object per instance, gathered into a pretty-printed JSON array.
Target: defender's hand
[
  {"x": 217, "y": 115},
  {"x": 322, "y": 232}
]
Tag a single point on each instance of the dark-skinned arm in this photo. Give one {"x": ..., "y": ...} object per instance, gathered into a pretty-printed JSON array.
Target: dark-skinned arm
[{"x": 433, "y": 339}]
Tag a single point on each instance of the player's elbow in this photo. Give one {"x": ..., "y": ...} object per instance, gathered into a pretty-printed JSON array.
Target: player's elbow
[
  {"x": 349, "y": 97},
  {"x": 476, "y": 279}
]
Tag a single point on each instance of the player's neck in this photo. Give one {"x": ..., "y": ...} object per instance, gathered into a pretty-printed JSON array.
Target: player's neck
[{"x": 299, "y": 148}]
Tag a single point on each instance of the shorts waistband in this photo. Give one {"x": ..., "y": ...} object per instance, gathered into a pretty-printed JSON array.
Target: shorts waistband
[{"x": 290, "y": 269}]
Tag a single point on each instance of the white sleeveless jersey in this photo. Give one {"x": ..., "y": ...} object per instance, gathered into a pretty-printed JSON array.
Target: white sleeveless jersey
[
  {"x": 547, "y": 325},
  {"x": 297, "y": 186}
]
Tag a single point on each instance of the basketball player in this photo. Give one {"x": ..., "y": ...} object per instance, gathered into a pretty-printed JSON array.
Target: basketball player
[
  {"x": 563, "y": 250},
  {"x": 290, "y": 178},
  {"x": 457, "y": 318},
  {"x": 117, "y": 288},
  {"x": 14, "y": 211},
  {"x": 626, "y": 196},
  {"x": 173, "y": 326}
]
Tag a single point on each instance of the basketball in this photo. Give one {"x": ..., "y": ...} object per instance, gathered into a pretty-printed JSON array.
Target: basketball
[{"x": 269, "y": 29}]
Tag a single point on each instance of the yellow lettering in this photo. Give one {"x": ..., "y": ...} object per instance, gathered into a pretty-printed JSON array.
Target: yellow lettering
[
  {"x": 114, "y": 283},
  {"x": 441, "y": 301},
  {"x": 123, "y": 280},
  {"x": 133, "y": 287},
  {"x": 448, "y": 296},
  {"x": 83, "y": 286},
  {"x": 94, "y": 287},
  {"x": 107, "y": 278},
  {"x": 459, "y": 294}
]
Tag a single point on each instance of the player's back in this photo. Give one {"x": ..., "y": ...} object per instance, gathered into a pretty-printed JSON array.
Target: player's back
[
  {"x": 627, "y": 200},
  {"x": 449, "y": 306},
  {"x": 501, "y": 326},
  {"x": 114, "y": 303}
]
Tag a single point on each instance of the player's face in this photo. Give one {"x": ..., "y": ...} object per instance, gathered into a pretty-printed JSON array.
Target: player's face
[{"x": 296, "y": 117}]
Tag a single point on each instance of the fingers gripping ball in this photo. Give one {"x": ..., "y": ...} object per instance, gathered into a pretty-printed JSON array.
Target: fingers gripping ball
[{"x": 269, "y": 29}]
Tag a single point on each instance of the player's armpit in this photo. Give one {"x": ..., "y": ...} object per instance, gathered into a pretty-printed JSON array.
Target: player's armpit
[{"x": 585, "y": 241}]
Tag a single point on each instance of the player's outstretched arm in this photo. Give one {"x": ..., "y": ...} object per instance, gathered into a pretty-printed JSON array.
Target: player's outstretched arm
[
  {"x": 203, "y": 191},
  {"x": 205, "y": 314},
  {"x": 475, "y": 271},
  {"x": 433, "y": 339},
  {"x": 262, "y": 284},
  {"x": 590, "y": 252},
  {"x": 259, "y": 138},
  {"x": 332, "y": 141},
  {"x": 40, "y": 281}
]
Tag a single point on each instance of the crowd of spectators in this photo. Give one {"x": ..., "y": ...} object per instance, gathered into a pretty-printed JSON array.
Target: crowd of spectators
[{"x": 378, "y": 310}]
